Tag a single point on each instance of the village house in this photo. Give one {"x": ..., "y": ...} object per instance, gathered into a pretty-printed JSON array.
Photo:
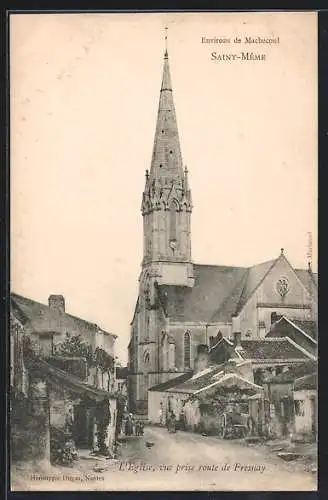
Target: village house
[
  {"x": 196, "y": 398},
  {"x": 247, "y": 364},
  {"x": 269, "y": 356},
  {"x": 62, "y": 381},
  {"x": 286, "y": 412}
]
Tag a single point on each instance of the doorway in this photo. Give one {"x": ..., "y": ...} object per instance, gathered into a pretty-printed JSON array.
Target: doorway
[{"x": 83, "y": 421}]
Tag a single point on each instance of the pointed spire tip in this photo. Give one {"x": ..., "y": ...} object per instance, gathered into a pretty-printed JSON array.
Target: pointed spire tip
[{"x": 166, "y": 53}]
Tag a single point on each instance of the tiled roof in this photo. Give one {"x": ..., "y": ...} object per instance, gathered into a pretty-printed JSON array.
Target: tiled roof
[
  {"x": 309, "y": 382},
  {"x": 294, "y": 372},
  {"x": 308, "y": 326},
  {"x": 225, "y": 374},
  {"x": 213, "y": 286},
  {"x": 219, "y": 291},
  {"x": 283, "y": 326},
  {"x": 262, "y": 349},
  {"x": 271, "y": 349},
  {"x": 197, "y": 381},
  {"x": 43, "y": 318},
  {"x": 231, "y": 381},
  {"x": 171, "y": 382},
  {"x": 254, "y": 277},
  {"x": 230, "y": 303},
  {"x": 304, "y": 333},
  {"x": 303, "y": 275}
]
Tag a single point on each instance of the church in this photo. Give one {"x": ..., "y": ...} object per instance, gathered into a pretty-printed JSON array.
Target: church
[{"x": 182, "y": 305}]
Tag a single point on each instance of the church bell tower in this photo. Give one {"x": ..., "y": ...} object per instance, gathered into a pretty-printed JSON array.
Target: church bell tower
[
  {"x": 166, "y": 201},
  {"x": 166, "y": 209}
]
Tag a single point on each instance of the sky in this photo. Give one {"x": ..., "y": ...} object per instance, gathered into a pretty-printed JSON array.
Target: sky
[{"x": 84, "y": 97}]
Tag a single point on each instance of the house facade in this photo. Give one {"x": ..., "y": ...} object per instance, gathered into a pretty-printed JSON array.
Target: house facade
[{"x": 62, "y": 381}]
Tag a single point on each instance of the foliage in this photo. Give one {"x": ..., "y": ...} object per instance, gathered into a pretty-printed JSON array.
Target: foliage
[
  {"x": 30, "y": 348},
  {"x": 103, "y": 418},
  {"x": 62, "y": 449},
  {"x": 121, "y": 403},
  {"x": 103, "y": 360},
  {"x": 76, "y": 346}
]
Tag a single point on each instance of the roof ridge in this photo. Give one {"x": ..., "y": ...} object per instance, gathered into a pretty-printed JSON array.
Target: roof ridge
[
  {"x": 264, "y": 262},
  {"x": 23, "y": 318},
  {"x": 13, "y": 295},
  {"x": 238, "y": 307},
  {"x": 273, "y": 263},
  {"x": 300, "y": 348},
  {"x": 220, "y": 265},
  {"x": 269, "y": 339},
  {"x": 299, "y": 329}
]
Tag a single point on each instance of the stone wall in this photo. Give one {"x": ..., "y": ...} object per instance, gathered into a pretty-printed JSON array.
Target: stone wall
[
  {"x": 30, "y": 430},
  {"x": 60, "y": 404},
  {"x": 279, "y": 409}
]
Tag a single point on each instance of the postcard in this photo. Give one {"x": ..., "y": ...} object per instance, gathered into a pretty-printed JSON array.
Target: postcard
[{"x": 163, "y": 306}]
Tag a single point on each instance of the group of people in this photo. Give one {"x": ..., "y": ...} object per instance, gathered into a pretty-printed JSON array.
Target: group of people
[{"x": 132, "y": 426}]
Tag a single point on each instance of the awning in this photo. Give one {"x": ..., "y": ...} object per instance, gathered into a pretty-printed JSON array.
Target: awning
[
  {"x": 232, "y": 382},
  {"x": 57, "y": 377}
]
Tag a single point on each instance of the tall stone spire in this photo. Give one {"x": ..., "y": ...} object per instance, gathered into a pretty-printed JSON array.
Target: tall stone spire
[
  {"x": 166, "y": 180},
  {"x": 166, "y": 201},
  {"x": 166, "y": 161}
]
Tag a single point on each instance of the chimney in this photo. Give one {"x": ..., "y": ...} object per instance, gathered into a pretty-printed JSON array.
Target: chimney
[
  {"x": 237, "y": 339},
  {"x": 215, "y": 340},
  {"x": 202, "y": 358},
  {"x": 235, "y": 323},
  {"x": 274, "y": 318},
  {"x": 57, "y": 302}
]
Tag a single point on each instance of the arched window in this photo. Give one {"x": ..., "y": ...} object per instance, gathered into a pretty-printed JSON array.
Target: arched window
[
  {"x": 187, "y": 350},
  {"x": 146, "y": 358},
  {"x": 147, "y": 327},
  {"x": 173, "y": 220}
]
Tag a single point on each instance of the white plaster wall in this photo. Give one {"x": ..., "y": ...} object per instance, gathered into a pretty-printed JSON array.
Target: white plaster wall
[{"x": 303, "y": 424}]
